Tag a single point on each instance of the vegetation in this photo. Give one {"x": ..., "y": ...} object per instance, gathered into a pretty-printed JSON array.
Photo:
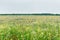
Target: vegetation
[{"x": 29, "y": 27}]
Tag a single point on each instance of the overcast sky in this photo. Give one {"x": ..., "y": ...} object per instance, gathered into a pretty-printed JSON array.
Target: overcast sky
[{"x": 11, "y": 6}]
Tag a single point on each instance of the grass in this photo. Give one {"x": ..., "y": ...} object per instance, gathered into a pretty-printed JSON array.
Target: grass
[{"x": 30, "y": 27}]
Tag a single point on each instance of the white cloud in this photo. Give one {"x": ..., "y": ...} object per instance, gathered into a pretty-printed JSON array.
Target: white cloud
[{"x": 7, "y": 6}]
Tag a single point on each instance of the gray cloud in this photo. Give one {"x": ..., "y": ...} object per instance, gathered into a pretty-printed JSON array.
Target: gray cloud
[{"x": 29, "y": 6}]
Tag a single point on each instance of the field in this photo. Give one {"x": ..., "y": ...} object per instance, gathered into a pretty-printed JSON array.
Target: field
[{"x": 30, "y": 27}]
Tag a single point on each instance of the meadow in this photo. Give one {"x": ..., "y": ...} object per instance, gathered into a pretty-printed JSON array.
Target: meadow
[{"x": 30, "y": 27}]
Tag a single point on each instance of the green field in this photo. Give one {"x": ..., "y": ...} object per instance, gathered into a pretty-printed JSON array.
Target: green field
[{"x": 29, "y": 27}]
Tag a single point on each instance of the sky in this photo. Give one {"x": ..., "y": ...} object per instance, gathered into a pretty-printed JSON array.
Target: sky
[{"x": 29, "y": 6}]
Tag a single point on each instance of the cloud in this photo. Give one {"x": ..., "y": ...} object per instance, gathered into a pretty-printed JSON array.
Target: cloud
[{"x": 29, "y": 6}]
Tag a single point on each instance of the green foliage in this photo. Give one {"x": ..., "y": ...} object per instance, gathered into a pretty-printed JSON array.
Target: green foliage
[{"x": 32, "y": 30}]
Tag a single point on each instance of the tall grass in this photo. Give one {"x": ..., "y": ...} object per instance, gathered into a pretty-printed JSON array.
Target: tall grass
[{"x": 30, "y": 28}]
